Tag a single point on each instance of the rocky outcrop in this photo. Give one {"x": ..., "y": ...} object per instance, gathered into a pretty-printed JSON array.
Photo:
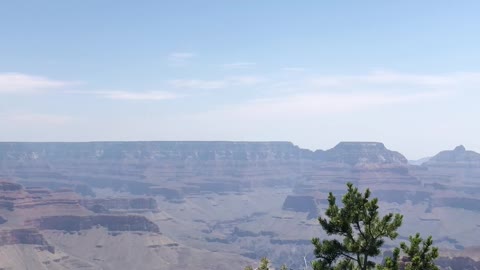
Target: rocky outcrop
[
  {"x": 472, "y": 204},
  {"x": 145, "y": 151},
  {"x": 79, "y": 188},
  {"x": 28, "y": 236},
  {"x": 14, "y": 196},
  {"x": 457, "y": 263},
  {"x": 63, "y": 210},
  {"x": 458, "y": 157},
  {"x": 170, "y": 194},
  {"x": 120, "y": 204},
  {"x": 357, "y": 153},
  {"x": 110, "y": 222},
  {"x": 31, "y": 154},
  {"x": 9, "y": 186},
  {"x": 298, "y": 203},
  {"x": 213, "y": 180},
  {"x": 37, "y": 197},
  {"x": 178, "y": 169},
  {"x": 7, "y": 205}
]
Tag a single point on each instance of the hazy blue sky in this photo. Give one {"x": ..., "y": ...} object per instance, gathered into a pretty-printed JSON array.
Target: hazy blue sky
[{"x": 406, "y": 73}]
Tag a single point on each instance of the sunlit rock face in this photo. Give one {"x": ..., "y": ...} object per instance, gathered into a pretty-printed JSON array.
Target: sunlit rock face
[{"x": 356, "y": 153}]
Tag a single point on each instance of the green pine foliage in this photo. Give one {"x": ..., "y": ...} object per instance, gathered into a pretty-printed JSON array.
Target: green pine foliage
[
  {"x": 264, "y": 262},
  {"x": 359, "y": 232},
  {"x": 420, "y": 255}
]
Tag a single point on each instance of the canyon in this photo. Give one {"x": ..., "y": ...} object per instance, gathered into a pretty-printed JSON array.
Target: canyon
[{"x": 213, "y": 205}]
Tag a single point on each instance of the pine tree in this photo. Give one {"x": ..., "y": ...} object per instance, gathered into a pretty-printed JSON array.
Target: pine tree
[
  {"x": 420, "y": 255},
  {"x": 358, "y": 229},
  {"x": 263, "y": 264}
]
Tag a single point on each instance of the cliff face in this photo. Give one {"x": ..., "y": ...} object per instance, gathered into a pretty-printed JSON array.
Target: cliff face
[
  {"x": 21, "y": 203},
  {"x": 304, "y": 204},
  {"x": 120, "y": 204},
  {"x": 9, "y": 186},
  {"x": 111, "y": 222},
  {"x": 139, "y": 167},
  {"x": 28, "y": 236},
  {"x": 457, "y": 263},
  {"x": 22, "y": 236},
  {"x": 226, "y": 195},
  {"x": 58, "y": 153},
  {"x": 40, "y": 208},
  {"x": 149, "y": 151},
  {"x": 458, "y": 157},
  {"x": 357, "y": 153}
]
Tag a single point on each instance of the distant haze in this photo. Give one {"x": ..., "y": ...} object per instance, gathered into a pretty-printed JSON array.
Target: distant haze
[{"x": 405, "y": 74}]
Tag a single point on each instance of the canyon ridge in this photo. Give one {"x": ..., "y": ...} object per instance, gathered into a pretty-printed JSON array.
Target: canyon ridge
[{"x": 214, "y": 205}]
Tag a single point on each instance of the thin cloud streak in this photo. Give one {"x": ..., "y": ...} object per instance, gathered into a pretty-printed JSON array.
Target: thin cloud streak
[
  {"x": 180, "y": 58},
  {"x": 199, "y": 84},
  {"x": 12, "y": 82},
  {"x": 396, "y": 79},
  {"x": 216, "y": 84},
  {"x": 239, "y": 65},
  {"x": 130, "y": 95},
  {"x": 316, "y": 104},
  {"x": 145, "y": 96},
  {"x": 294, "y": 69}
]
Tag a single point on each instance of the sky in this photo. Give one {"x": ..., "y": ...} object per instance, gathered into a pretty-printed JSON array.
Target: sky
[{"x": 405, "y": 73}]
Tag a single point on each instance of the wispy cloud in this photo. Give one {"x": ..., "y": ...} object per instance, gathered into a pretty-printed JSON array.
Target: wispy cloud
[
  {"x": 396, "y": 80},
  {"x": 239, "y": 65},
  {"x": 216, "y": 84},
  {"x": 198, "y": 84},
  {"x": 129, "y": 95},
  {"x": 294, "y": 69},
  {"x": 24, "y": 83},
  {"x": 309, "y": 97},
  {"x": 180, "y": 58},
  {"x": 315, "y": 104},
  {"x": 126, "y": 95}
]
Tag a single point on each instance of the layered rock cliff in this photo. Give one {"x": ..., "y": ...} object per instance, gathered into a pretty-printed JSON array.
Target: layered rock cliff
[
  {"x": 458, "y": 157},
  {"x": 244, "y": 198},
  {"x": 107, "y": 204},
  {"x": 358, "y": 153},
  {"x": 191, "y": 167},
  {"x": 128, "y": 223},
  {"x": 27, "y": 236}
]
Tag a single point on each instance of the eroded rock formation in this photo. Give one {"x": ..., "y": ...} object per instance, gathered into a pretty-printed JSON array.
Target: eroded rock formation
[
  {"x": 29, "y": 236},
  {"x": 301, "y": 203},
  {"x": 120, "y": 204},
  {"x": 111, "y": 222}
]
